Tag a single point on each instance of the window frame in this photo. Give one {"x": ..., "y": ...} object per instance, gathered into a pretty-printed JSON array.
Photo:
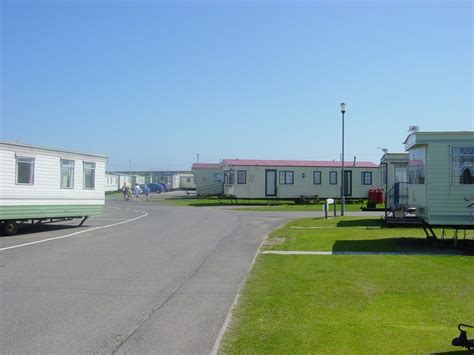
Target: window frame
[
  {"x": 239, "y": 174},
  {"x": 383, "y": 174},
  {"x": 417, "y": 171},
  {"x": 32, "y": 162},
  {"x": 229, "y": 177},
  {"x": 332, "y": 173},
  {"x": 284, "y": 177},
  {"x": 84, "y": 169},
  {"x": 61, "y": 166},
  {"x": 218, "y": 177},
  {"x": 457, "y": 180},
  {"x": 320, "y": 177},
  {"x": 362, "y": 177}
]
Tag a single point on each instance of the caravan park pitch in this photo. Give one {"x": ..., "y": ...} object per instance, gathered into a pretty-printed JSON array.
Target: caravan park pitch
[{"x": 409, "y": 303}]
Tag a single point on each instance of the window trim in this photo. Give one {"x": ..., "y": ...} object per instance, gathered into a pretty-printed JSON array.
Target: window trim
[
  {"x": 413, "y": 179},
  {"x": 285, "y": 180},
  {"x": 229, "y": 177},
  {"x": 320, "y": 177},
  {"x": 363, "y": 173},
  {"x": 84, "y": 175},
  {"x": 456, "y": 182},
  {"x": 61, "y": 173},
  {"x": 33, "y": 163},
  {"x": 239, "y": 172},
  {"x": 218, "y": 177},
  {"x": 384, "y": 176},
  {"x": 332, "y": 172}
]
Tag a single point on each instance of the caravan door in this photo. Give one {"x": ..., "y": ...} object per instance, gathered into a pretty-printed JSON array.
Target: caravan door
[
  {"x": 270, "y": 182},
  {"x": 347, "y": 182}
]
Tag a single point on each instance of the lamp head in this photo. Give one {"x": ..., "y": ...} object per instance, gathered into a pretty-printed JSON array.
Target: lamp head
[{"x": 343, "y": 107}]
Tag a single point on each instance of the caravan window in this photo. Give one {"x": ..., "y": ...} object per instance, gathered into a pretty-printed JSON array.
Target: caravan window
[
  {"x": 417, "y": 166},
  {"x": 241, "y": 176},
  {"x": 286, "y": 177},
  {"x": 462, "y": 165},
  {"x": 25, "y": 170},
  {"x": 316, "y": 177},
  {"x": 333, "y": 177},
  {"x": 229, "y": 177},
  {"x": 400, "y": 173},
  {"x": 383, "y": 175},
  {"x": 89, "y": 175},
  {"x": 366, "y": 178},
  {"x": 67, "y": 174},
  {"x": 218, "y": 177}
]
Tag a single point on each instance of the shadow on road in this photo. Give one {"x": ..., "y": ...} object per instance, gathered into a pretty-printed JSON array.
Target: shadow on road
[{"x": 39, "y": 228}]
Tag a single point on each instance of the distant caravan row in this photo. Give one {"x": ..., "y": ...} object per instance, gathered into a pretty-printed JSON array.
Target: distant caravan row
[
  {"x": 435, "y": 177},
  {"x": 285, "y": 179},
  {"x": 177, "y": 181}
]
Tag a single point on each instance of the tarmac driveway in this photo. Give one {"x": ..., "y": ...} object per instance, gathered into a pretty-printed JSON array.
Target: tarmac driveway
[{"x": 162, "y": 283}]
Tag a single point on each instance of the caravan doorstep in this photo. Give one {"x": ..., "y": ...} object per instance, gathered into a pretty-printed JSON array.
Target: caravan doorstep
[{"x": 40, "y": 184}]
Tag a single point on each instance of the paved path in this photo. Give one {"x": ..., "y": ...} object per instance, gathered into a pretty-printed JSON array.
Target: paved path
[
  {"x": 162, "y": 283},
  {"x": 362, "y": 253}
]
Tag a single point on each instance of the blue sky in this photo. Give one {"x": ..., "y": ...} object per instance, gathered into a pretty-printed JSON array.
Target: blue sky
[{"x": 158, "y": 82}]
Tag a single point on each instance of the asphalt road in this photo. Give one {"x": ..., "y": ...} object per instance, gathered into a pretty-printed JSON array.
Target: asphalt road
[
  {"x": 162, "y": 283},
  {"x": 141, "y": 278}
]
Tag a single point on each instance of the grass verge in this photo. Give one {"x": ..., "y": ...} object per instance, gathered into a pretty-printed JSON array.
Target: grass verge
[
  {"x": 363, "y": 304},
  {"x": 252, "y": 204}
]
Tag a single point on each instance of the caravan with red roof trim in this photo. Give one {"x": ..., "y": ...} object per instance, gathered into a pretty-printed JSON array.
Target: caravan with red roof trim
[{"x": 295, "y": 179}]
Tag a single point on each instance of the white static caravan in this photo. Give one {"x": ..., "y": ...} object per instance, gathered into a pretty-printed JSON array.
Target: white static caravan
[
  {"x": 175, "y": 182},
  {"x": 208, "y": 178},
  {"x": 289, "y": 179},
  {"x": 124, "y": 179},
  {"x": 394, "y": 179},
  {"x": 43, "y": 183},
  {"x": 440, "y": 176},
  {"x": 137, "y": 179},
  {"x": 183, "y": 181},
  {"x": 111, "y": 182}
]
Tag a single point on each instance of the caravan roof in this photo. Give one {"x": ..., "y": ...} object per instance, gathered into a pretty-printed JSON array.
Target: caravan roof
[{"x": 297, "y": 163}]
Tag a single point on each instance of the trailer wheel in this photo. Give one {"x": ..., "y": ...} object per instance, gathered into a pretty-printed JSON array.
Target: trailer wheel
[{"x": 10, "y": 228}]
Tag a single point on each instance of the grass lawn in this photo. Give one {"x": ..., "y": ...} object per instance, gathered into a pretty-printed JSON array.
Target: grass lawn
[
  {"x": 364, "y": 304},
  {"x": 252, "y": 204},
  {"x": 206, "y": 202}
]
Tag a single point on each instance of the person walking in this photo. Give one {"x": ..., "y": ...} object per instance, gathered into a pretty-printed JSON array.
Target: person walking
[
  {"x": 146, "y": 191},
  {"x": 137, "y": 190},
  {"x": 125, "y": 189}
]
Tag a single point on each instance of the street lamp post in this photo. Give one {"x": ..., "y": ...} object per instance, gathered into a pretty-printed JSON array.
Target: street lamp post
[{"x": 343, "y": 111}]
